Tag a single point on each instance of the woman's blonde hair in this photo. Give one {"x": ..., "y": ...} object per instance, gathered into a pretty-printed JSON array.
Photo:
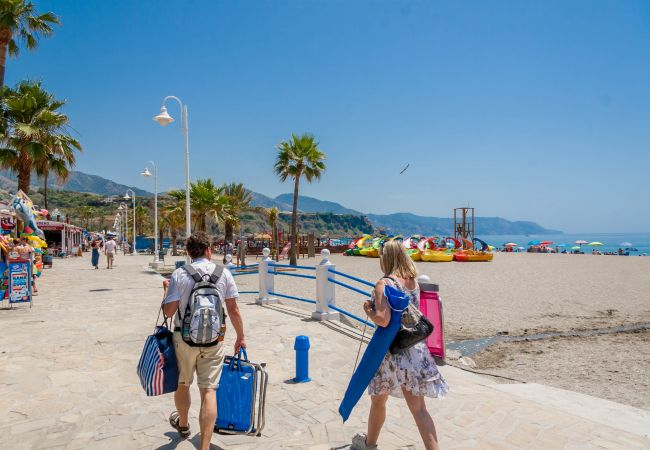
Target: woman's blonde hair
[{"x": 395, "y": 261}]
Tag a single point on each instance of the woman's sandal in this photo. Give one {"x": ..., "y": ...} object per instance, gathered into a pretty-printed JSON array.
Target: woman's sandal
[{"x": 174, "y": 420}]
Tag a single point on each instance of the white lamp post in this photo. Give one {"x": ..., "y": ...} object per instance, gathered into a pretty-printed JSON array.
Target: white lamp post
[
  {"x": 146, "y": 173},
  {"x": 119, "y": 214},
  {"x": 165, "y": 119},
  {"x": 126, "y": 197}
]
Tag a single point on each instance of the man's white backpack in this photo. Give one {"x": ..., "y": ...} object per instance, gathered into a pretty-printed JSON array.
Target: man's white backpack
[{"x": 203, "y": 322}]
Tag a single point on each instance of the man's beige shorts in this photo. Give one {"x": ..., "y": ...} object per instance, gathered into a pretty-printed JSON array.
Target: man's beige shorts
[{"x": 206, "y": 361}]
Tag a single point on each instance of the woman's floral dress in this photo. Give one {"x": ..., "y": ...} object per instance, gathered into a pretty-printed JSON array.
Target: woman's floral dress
[{"x": 413, "y": 368}]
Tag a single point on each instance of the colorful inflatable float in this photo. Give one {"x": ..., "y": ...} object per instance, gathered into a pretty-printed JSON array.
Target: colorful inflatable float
[
  {"x": 468, "y": 254},
  {"x": 431, "y": 252},
  {"x": 411, "y": 245}
]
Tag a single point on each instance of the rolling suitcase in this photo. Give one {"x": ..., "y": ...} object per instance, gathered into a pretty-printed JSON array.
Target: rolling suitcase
[
  {"x": 431, "y": 307},
  {"x": 241, "y": 396}
]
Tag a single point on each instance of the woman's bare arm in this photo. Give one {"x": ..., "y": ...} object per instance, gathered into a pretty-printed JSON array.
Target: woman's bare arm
[{"x": 381, "y": 313}]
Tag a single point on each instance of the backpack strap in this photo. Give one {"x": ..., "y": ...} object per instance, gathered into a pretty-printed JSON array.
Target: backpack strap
[
  {"x": 192, "y": 272},
  {"x": 216, "y": 273}
]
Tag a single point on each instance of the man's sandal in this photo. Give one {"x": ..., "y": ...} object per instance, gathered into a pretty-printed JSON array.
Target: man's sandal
[{"x": 174, "y": 419}]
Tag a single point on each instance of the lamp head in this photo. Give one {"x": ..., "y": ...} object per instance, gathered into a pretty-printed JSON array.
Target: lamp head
[
  {"x": 127, "y": 196},
  {"x": 163, "y": 118},
  {"x": 145, "y": 172}
]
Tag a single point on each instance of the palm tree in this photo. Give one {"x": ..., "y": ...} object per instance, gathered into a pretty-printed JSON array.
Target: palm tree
[
  {"x": 297, "y": 157},
  {"x": 273, "y": 222},
  {"x": 174, "y": 215},
  {"x": 20, "y": 22},
  {"x": 58, "y": 159},
  {"x": 86, "y": 213},
  {"x": 142, "y": 219},
  {"x": 207, "y": 201},
  {"x": 239, "y": 199},
  {"x": 33, "y": 124}
]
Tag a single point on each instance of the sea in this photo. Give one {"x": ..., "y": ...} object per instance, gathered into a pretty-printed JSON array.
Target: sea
[{"x": 611, "y": 241}]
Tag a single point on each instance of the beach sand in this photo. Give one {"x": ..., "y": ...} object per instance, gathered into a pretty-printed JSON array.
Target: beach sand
[
  {"x": 519, "y": 294},
  {"x": 614, "y": 366}
]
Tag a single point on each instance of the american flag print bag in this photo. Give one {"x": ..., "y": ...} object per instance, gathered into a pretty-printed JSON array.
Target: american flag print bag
[{"x": 157, "y": 369}]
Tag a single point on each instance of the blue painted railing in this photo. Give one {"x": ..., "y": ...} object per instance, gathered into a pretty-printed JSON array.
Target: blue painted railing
[
  {"x": 293, "y": 267},
  {"x": 343, "y": 274},
  {"x": 352, "y": 288},
  {"x": 238, "y": 274},
  {"x": 312, "y": 277},
  {"x": 352, "y": 316},
  {"x": 299, "y": 275},
  {"x": 291, "y": 297}
]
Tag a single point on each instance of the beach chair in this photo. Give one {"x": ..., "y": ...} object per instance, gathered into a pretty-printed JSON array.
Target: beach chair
[{"x": 241, "y": 396}]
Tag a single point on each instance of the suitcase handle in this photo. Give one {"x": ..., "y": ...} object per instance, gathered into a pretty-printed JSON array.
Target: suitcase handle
[{"x": 238, "y": 359}]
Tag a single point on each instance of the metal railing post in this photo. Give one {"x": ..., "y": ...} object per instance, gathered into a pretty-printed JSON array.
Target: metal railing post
[
  {"x": 325, "y": 291},
  {"x": 266, "y": 280}
]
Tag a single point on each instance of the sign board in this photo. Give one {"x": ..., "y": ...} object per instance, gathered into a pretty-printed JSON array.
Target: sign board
[{"x": 20, "y": 281}]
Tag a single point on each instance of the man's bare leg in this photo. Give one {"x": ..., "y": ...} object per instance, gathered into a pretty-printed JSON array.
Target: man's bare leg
[
  {"x": 207, "y": 416},
  {"x": 183, "y": 401}
]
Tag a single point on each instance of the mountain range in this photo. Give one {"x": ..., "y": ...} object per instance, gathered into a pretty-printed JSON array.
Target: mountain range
[
  {"x": 76, "y": 182},
  {"x": 403, "y": 222}
]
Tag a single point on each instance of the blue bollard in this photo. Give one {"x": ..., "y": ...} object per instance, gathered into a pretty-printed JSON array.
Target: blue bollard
[{"x": 301, "y": 346}]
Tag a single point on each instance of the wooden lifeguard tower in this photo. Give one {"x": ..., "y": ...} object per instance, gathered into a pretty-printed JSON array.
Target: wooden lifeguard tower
[{"x": 464, "y": 223}]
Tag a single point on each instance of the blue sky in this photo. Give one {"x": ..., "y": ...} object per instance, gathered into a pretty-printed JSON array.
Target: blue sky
[{"x": 525, "y": 110}]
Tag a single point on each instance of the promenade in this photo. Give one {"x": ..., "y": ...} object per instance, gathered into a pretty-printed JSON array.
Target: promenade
[{"x": 68, "y": 381}]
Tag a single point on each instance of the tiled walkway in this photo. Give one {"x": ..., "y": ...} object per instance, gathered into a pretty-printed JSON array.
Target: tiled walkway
[{"x": 68, "y": 381}]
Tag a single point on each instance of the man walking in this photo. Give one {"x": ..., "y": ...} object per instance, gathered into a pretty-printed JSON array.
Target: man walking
[
  {"x": 109, "y": 250},
  {"x": 206, "y": 361}
]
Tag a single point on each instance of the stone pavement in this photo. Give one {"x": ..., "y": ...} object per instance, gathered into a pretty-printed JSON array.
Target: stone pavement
[{"x": 68, "y": 381}]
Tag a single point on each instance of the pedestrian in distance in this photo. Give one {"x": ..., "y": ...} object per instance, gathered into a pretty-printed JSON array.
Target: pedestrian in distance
[
  {"x": 110, "y": 248},
  {"x": 410, "y": 374},
  {"x": 94, "y": 248},
  {"x": 206, "y": 361}
]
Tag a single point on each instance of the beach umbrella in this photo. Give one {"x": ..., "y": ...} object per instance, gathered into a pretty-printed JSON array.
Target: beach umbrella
[
  {"x": 575, "y": 247},
  {"x": 625, "y": 244},
  {"x": 534, "y": 242},
  {"x": 595, "y": 244},
  {"x": 546, "y": 243},
  {"x": 512, "y": 244},
  {"x": 581, "y": 242}
]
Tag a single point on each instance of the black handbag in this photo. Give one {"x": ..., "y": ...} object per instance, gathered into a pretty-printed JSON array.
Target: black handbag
[{"x": 415, "y": 327}]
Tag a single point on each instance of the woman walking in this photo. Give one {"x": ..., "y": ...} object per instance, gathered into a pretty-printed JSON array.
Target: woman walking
[
  {"x": 410, "y": 374},
  {"x": 95, "y": 254}
]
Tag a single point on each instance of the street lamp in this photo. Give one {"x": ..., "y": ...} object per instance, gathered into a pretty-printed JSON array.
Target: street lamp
[
  {"x": 145, "y": 173},
  {"x": 165, "y": 119},
  {"x": 119, "y": 214},
  {"x": 126, "y": 197}
]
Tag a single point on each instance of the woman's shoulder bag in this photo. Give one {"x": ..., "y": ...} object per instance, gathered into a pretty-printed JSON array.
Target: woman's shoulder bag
[{"x": 415, "y": 327}]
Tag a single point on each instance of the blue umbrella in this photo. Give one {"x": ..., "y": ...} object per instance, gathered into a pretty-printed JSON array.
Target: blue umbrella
[{"x": 534, "y": 242}]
